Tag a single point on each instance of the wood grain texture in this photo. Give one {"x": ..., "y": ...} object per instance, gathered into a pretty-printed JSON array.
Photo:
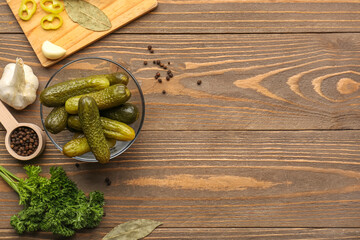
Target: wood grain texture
[
  {"x": 249, "y": 82},
  {"x": 71, "y": 36},
  {"x": 220, "y": 179},
  {"x": 267, "y": 147},
  {"x": 179, "y": 16},
  {"x": 213, "y": 233}
]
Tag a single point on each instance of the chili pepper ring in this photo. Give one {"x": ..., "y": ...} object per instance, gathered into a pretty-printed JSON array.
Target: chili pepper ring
[
  {"x": 24, "y": 8},
  {"x": 50, "y": 19},
  {"x": 55, "y": 6}
]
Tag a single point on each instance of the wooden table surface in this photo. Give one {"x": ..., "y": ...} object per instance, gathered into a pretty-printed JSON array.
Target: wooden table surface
[{"x": 267, "y": 147}]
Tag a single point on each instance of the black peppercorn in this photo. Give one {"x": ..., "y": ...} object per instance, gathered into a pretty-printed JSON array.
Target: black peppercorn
[
  {"x": 108, "y": 181},
  {"x": 149, "y": 47},
  {"x": 159, "y": 80},
  {"x": 199, "y": 82},
  {"x": 145, "y": 63},
  {"x": 163, "y": 92}
]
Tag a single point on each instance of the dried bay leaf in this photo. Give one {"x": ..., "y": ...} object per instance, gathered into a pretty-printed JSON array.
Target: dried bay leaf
[
  {"x": 132, "y": 230},
  {"x": 87, "y": 15}
]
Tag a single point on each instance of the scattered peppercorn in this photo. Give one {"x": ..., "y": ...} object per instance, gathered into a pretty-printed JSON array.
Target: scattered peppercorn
[
  {"x": 108, "y": 181},
  {"x": 77, "y": 165},
  {"x": 199, "y": 82},
  {"x": 162, "y": 65},
  {"x": 24, "y": 141},
  {"x": 163, "y": 92}
]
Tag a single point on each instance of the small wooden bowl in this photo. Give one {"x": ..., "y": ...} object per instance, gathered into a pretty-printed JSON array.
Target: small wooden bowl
[{"x": 10, "y": 124}]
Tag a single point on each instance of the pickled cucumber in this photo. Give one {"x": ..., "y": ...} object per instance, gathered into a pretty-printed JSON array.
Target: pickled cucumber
[
  {"x": 112, "y": 128},
  {"x": 91, "y": 125},
  {"x": 117, "y": 78},
  {"x": 73, "y": 122},
  {"x": 107, "y": 98},
  {"x": 117, "y": 130},
  {"x": 80, "y": 146},
  {"x": 126, "y": 113},
  {"x": 56, "y": 121},
  {"x": 56, "y": 95}
]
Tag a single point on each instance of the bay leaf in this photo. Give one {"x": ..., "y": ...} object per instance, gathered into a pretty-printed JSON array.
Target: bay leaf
[
  {"x": 87, "y": 15},
  {"x": 132, "y": 230}
]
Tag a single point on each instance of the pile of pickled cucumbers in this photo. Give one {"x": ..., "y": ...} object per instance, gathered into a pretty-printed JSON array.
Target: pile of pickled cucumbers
[{"x": 96, "y": 109}]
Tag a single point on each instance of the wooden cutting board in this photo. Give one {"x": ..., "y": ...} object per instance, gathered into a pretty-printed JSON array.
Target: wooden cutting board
[{"x": 71, "y": 36}]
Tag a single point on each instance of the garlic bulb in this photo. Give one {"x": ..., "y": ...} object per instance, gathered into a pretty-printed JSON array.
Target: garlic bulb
[{"x": 18, "y": 85}]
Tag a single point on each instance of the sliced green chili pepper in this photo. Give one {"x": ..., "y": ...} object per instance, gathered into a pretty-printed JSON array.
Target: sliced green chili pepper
[
  {"x": 55, "y": 6},
  {"x": 24, "y": 8},
  {"x": 49, "y": 19}
]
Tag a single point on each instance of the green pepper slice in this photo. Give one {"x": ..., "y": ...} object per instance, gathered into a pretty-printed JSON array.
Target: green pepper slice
[
  {"x": 55, "y": 6},
  {"x": 24, "y": 9},
  {"x": 49, "y": 19}
]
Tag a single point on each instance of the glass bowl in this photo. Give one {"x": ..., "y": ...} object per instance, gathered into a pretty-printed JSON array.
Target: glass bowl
[{"x": 84, "y": 67}]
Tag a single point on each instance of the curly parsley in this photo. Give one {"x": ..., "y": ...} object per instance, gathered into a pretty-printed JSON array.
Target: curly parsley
[{"x": 53, "y": 205}]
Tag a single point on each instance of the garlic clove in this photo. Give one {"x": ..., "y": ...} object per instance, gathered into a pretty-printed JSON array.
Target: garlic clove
[{"x": 52, "y": 51}]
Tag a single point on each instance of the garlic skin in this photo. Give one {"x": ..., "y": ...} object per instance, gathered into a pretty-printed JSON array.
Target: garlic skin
[
  {"x": 18, "y": 85},
  {"x": 52, "y": 51}
]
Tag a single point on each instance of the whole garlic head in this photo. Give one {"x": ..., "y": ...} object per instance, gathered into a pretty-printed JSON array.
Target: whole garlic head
[{"x": 18, "y": 85}]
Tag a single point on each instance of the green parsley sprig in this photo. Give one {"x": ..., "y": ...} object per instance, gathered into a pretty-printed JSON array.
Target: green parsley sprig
[{"x": 53, "y": 205}]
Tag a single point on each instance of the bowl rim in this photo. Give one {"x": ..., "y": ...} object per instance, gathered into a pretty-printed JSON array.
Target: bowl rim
[{"x": 141, "y": 97}]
